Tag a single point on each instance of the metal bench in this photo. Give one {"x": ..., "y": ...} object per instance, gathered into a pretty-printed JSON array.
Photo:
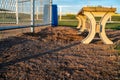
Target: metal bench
[{"x": 95, "y": 27}]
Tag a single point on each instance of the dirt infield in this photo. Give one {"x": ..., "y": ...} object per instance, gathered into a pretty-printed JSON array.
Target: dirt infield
[{"x": 57, "y": 54}]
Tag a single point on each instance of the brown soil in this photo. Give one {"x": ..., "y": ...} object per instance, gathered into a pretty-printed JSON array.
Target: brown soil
[{"x": 57, "y": 54}]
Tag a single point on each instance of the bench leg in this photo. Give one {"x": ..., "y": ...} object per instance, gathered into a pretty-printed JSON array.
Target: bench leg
[
  {"x": 83, "y": 28},
  {"x": 79, "y": 22},
  {"x": 92, "y": 32},
  {"x": 102, "y": 34}
]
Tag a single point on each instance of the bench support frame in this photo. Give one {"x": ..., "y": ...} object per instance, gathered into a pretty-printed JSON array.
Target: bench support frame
[{"x": 95, "y": 27}]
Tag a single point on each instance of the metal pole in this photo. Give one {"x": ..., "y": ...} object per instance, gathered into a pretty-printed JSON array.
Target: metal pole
[
  {"x": 50, "y": 12},
  {"x": 32, "y": 15},
  {"x": 60, "y": 13},
  {"x": 17, "y": 20},
  {"x": 37, "y": 13}
]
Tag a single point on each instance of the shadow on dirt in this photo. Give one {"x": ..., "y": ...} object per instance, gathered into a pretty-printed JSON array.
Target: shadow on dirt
[{"x": 2, "y": 65}]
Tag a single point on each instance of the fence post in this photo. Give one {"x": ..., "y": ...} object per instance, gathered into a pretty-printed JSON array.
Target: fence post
[
  {"x": 32, "y": 15},
  {"x": 50, "y": 12},
  {"x": 37, "y": 13},
  {"x": 60, "y": 13},
  {"x": 17, "y": 20}
]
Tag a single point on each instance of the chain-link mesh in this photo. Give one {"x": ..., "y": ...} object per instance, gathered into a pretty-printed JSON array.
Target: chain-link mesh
[
  {"x": 39, "y": 11},
  {"x": 18, "y": 12},
  {"x": 7, "y": 11}
]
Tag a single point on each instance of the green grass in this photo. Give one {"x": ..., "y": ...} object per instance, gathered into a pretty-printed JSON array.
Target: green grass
[
  {"x": 10, "y": 17},
  {"x": 75, "y": 23},
  {"x": 68, "y": 23},
  {"x": 115, "y": 26},
  {"x": 7, "y": 20},
  {"x": 69, "y": 16},
  {"x": 115, "y": 18},
  {"x": 117, "y": 47}
]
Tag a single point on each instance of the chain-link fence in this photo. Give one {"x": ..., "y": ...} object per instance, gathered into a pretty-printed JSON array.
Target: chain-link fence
[
  {"x": 20, "y": 12},
  {"x": 16, "y": 16}
]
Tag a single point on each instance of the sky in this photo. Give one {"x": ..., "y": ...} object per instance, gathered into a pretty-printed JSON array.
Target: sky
[{"x": 81, "y": 3}]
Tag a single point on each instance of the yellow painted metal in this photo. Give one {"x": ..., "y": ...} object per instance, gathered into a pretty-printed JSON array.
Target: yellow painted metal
[
  {"x": 103, "y": 23},
  {"x": 97, "y": 9},
  {"x": 81, "y": 24},
  {"x": 90, "y": 13},
  {"x": 91, "y": 34}
]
